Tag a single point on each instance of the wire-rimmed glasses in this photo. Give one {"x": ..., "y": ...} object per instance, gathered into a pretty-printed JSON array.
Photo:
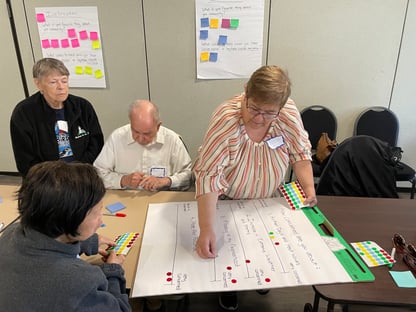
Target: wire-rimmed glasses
[{"x": 266, "y": 115}]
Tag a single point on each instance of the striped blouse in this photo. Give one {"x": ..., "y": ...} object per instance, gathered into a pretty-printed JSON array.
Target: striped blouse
[{"x": 230, "y": 163}]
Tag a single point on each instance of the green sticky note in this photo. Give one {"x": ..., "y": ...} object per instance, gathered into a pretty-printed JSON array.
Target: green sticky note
[{"x": 234, "y": 23}]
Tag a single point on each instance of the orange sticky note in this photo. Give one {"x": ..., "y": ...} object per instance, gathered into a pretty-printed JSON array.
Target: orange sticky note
[
  {"x": 204, "y": 56},
  {"x": 213, "y": 23}
]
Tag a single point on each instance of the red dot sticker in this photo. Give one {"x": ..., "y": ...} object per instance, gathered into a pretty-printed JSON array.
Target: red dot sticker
[
  {"x": 229, "y": 268},
  {"x": 169, "y": 273},
  {"x": 234, "y": 281},
  {"x": 248, "y": 261},
  {"x": 276, "y": 243},
  {"x": 267, "y": 280},
  {"x": 169, "y": 279}
]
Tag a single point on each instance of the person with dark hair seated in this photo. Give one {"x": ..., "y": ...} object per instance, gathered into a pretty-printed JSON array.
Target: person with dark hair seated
[{"x": 60, "y": 207}]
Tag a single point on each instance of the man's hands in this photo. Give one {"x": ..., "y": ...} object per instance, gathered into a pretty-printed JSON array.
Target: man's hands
[{"x": 140, "y": 180}]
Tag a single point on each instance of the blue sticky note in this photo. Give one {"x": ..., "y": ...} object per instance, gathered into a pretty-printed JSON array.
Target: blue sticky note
[
  {"x": 205, "y": 22},
  {"x": 203, "y": 34},
  {"x": 404, "y": 279},
  {"x": 222, "y": 40},
  {"x": 115, "y": 207},
  {"x": 213, "y": 56},
  {"x": 1, "y": 199}
]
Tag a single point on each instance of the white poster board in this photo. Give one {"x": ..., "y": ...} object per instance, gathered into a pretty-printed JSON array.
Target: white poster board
[
  {"x": 72, "y": 35},
  {"x": 229, "y": 38},
  {"x": 261, "y": 244}
]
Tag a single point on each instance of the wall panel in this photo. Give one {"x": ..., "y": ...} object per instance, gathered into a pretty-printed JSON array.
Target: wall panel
[
  {"x": 11, "y": 88},
  {"x": 340, "y": 54},
  {"x": 404, "y": 94}
]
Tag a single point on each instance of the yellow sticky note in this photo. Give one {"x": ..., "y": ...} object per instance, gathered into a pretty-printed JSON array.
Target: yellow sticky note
[
  {"x": 213, "y": 23},
  {"x": 96, "y": 44},
  {"x": 204, "y": 56},
  {"x": 79, "y": 70},
  {"x": 88, "y": 70},
  {"x": 98, "y": 74}
]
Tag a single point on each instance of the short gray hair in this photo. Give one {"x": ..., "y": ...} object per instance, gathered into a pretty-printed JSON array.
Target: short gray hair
[
  {"x": 141, "y": 103},
  {"x": 48, "y": 65}
]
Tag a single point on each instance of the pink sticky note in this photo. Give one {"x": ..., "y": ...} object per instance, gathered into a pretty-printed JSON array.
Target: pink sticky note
[
  {"x": 83, "y": 34},
  {"x": 55, "y": 43},
  {"x": 225, "y": 23},
  {"x": 93, "y": 35},
  {"x": 72, "y": 33},
  {"x": 74, "y": 43},
  {"x": 46, "y": 44},
  {"x": 40, "y": 18},
  {"x": 64, "y": 43}
]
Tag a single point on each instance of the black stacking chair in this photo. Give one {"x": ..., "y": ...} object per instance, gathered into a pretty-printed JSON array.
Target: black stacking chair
[
  {"x": 317, "y": 119},
  {"x": 382, "y": 123}
]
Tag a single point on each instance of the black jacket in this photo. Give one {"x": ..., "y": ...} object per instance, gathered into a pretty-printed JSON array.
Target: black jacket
[
  {"x": 32, "y": 130},
  {"x": 360, "y": 166}
]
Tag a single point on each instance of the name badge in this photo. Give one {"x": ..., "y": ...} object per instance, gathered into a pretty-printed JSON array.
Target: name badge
[
  {"x": 275, "y": 142},
  {"x": 159, "y": 172}
]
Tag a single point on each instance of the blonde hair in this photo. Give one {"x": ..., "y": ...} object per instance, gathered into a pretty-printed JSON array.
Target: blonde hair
[{"x": 269, "y": 84}]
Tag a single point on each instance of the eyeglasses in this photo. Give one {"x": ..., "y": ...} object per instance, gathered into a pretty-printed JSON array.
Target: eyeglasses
[
  {"x": 255, "y": 112},
  {"x": 408, "y": 251}
]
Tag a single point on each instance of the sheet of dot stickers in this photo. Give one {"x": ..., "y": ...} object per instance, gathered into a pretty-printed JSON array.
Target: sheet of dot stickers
[
  {"x": 372, "y": 254},
  {"x": 125, "y": 242},
  {"x": 294, "y": 195}
]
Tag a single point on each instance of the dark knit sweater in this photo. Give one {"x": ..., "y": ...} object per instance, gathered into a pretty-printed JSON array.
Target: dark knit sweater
[{"x": 42, "y": 274}]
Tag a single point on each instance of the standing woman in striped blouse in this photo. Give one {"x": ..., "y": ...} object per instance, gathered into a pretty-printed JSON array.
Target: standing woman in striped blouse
[{"x": 251, "y": 140}]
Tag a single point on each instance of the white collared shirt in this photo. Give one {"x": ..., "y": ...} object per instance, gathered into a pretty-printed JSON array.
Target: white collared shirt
[{"x": 165, "y": 156}]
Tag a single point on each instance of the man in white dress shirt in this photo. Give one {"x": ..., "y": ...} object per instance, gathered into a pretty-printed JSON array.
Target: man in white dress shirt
[{"x": 144, "y": 154}]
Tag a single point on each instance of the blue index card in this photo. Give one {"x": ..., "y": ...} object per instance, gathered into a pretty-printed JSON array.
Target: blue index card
[
  {"x": 115, "y": 207},
  {"x": 404, "y": 279}
]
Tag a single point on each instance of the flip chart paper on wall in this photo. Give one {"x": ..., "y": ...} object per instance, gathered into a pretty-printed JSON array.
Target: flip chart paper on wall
[
  {"x": 260, "y": 243},
  {"x": 71, "y": 25},
  {"x": 241, "y": 23}
]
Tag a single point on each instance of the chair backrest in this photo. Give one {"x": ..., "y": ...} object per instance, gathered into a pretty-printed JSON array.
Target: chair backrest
[
  {"x": 379, "y": 122},
  {"x": 317, "y": 119},
  {"x": 360, "y": 166}
]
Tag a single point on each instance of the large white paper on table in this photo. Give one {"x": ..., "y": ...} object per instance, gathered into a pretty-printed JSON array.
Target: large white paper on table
[{"x": 260, "y": 244}]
